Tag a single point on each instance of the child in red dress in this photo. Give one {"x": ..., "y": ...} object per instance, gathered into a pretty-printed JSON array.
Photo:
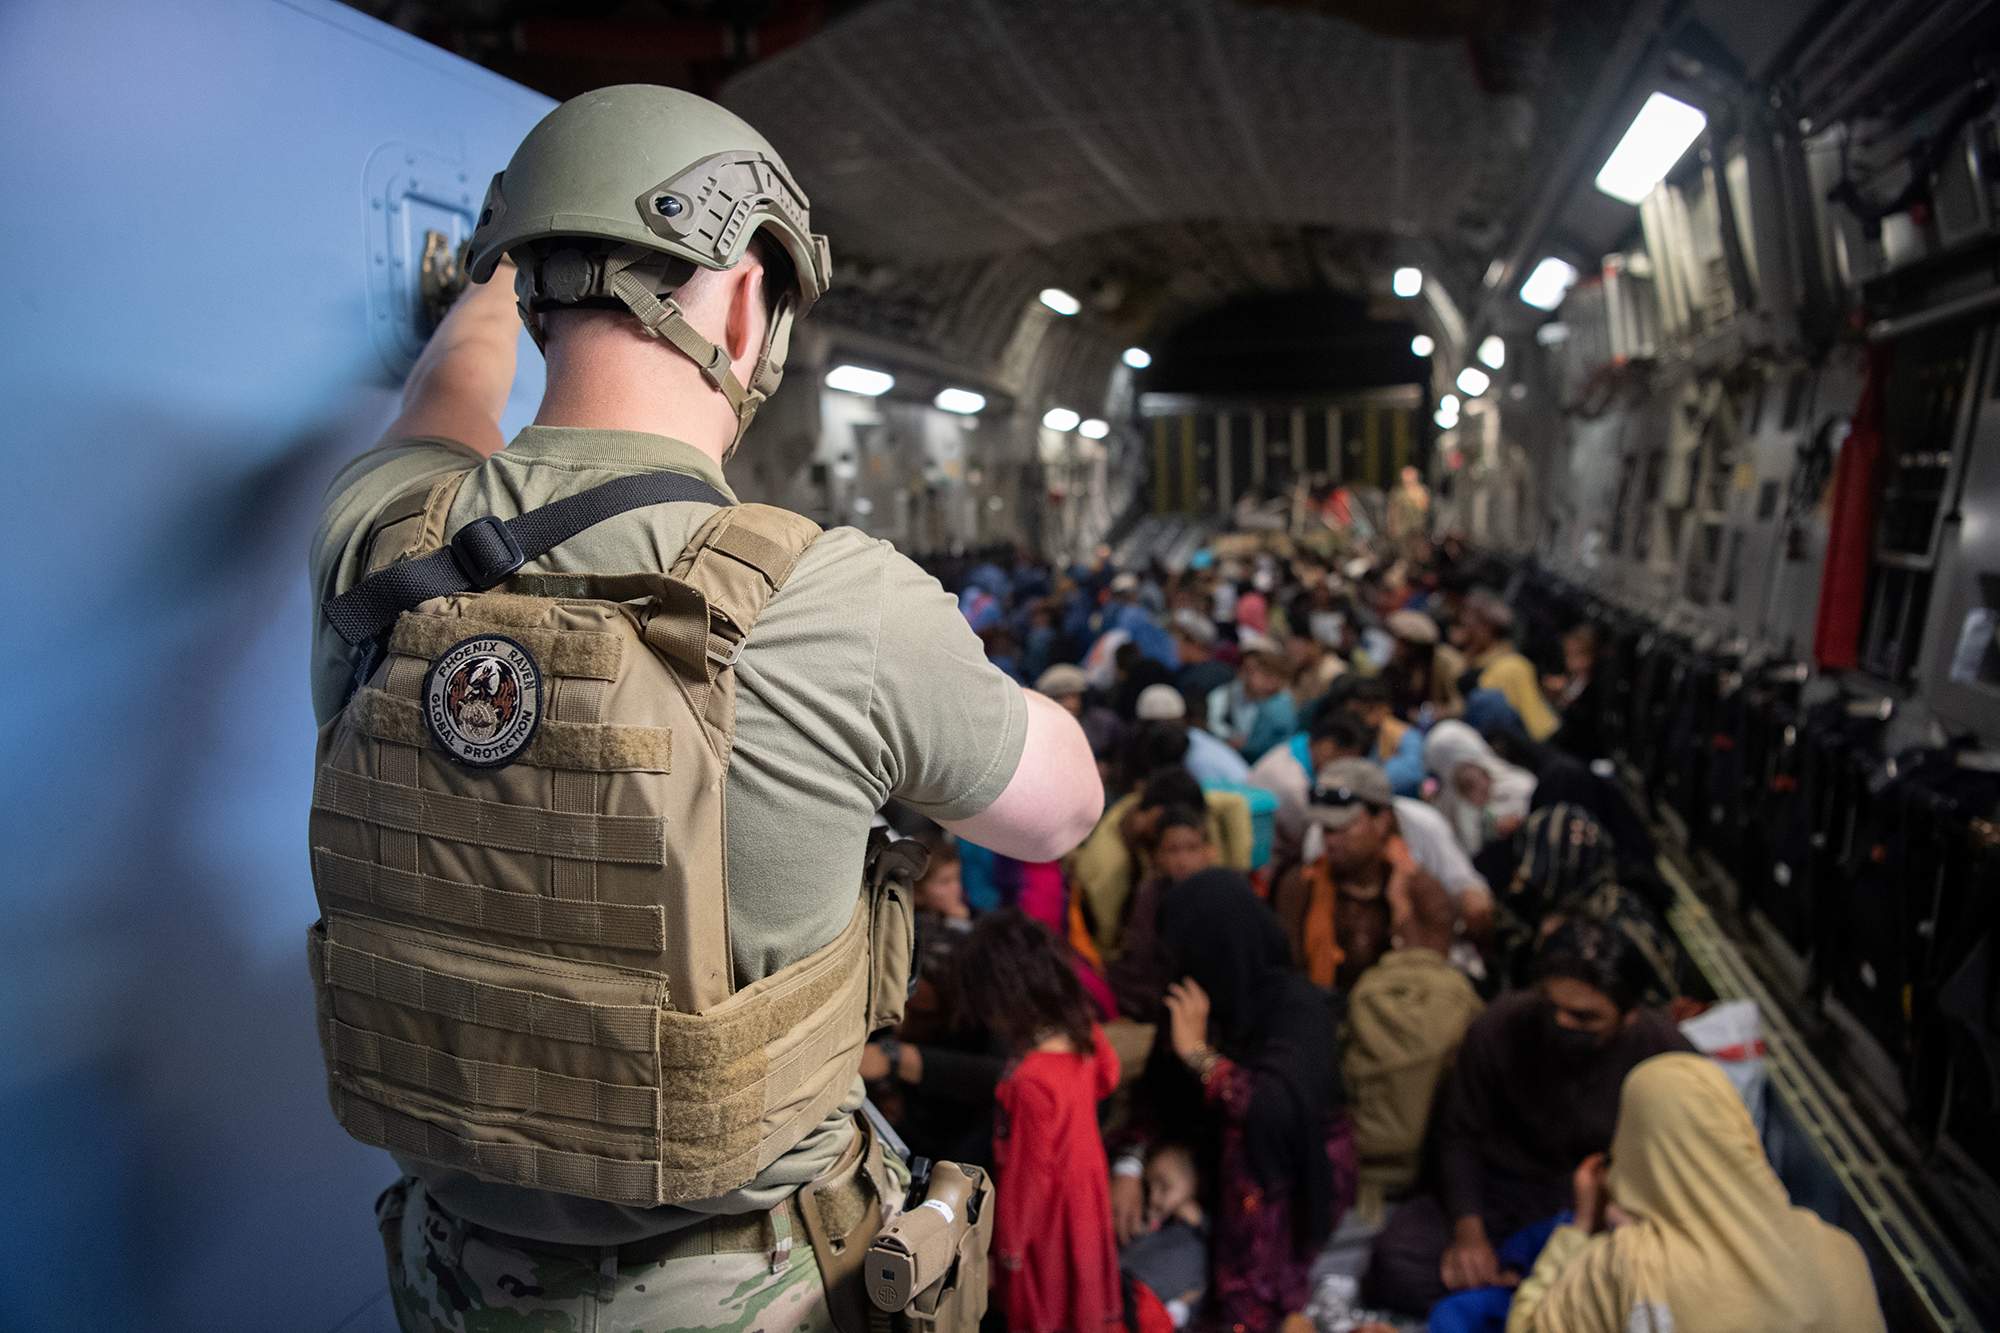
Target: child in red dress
[{"x": 1055, "y": 1263}]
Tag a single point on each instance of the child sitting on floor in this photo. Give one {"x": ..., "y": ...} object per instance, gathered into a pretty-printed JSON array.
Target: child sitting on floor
[{"x": 1171, "y": 1256}]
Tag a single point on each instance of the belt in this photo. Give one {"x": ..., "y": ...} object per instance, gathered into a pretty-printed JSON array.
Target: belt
[
  {"x": 725, "y": 1233},
  {"x": 845, "y": 1197}
]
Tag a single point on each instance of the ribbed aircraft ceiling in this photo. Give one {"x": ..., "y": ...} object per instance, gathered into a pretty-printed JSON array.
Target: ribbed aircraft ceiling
[
  {"x": 1156, "y": 157},
  {"x": 931, "y": 130}
]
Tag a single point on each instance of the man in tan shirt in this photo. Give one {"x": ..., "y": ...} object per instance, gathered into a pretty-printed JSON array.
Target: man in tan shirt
[
  {"x": 860, "y": 682},
  {"x": 1482, "y": 636}
]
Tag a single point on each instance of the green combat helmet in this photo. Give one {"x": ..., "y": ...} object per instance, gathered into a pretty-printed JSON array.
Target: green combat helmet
[{"x": 615, "y": 197}]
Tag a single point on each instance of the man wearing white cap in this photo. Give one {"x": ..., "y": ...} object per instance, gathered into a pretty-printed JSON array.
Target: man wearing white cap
[{"x": 1207, "y": 758}]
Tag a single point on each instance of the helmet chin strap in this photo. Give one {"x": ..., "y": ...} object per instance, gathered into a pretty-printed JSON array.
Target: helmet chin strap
[{"x": 663, "y": 319}]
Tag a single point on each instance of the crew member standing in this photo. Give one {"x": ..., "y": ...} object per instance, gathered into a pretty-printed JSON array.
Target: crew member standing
[{"x": 659, "y": 252}]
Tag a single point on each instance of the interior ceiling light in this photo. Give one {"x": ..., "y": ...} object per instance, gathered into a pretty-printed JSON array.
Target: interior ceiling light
[
  {"x": 858, "y": 379},
  {"x": 1060, "y": 301},
  {"x": 1060, "y": 418},
  {"x": 1138, "y": 358},
  {"x": 1659, "y": 134},
  {"x": 1449, "y": 403},
  {"x": 1094, "y": 429},
  {"x": 1552, "y": 333},
  {"x": 960, "y": 400},
  {"x": 1493, "y": 350},
  {"x": 1546, "y": 286},
  {"x": 1445, "y": 420},
  {"x": 1495, "y": 271},
  {"x": 1408, "y": 281},
  {"x": 1422, "y": 345},
  {"x": 1472, "y": 381}
]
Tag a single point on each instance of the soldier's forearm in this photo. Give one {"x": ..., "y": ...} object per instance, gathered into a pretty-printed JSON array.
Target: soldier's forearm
[{"x": 459, "y": 386}]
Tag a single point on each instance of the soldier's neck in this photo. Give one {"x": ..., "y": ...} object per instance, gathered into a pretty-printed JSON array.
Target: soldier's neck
[{"x": 611, "y": 376}]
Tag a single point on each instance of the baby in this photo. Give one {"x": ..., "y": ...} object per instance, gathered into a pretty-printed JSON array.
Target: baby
[{"x": 1171, "y": 1255}]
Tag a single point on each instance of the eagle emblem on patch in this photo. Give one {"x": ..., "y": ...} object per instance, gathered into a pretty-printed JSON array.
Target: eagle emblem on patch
[{"x": 483, "y": 700}]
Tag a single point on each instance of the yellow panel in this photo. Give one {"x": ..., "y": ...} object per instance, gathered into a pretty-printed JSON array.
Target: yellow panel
[
  {"x": 1399, "y": 439},
  {"x": 1190, "y": 487},
  {"x": 1371, "y": 447},
  {"x": 1160, "y": 505}
]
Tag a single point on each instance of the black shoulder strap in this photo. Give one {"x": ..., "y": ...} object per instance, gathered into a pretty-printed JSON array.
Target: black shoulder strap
[{"x": 487, "y": 550}]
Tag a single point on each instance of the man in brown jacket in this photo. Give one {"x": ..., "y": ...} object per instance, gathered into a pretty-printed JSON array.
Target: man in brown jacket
[{"x": 1357, "y": 894}]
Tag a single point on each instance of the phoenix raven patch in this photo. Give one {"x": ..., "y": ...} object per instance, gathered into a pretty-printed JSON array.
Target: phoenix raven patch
[{"x": 483, "y": 700}]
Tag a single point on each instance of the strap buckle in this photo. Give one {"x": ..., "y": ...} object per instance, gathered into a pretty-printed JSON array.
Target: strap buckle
[
  {"x": 735, "y": 656},
  {"x": 486, "y": 551}
]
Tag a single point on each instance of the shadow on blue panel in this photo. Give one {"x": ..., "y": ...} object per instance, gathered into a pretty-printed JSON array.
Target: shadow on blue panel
[{"x": 168, "y": 1161}]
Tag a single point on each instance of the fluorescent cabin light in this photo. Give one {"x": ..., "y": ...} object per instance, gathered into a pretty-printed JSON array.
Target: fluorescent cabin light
[
  {"x": 1659, "y": 134},
  {"x": 959, "y": 400},
  {"x": 1445, "y": 420},
  {"x": 1552, "y": 333},
  {"x": 1060, "y": 301},
  {"x": 1493, "y": 350},
  {"x": 857, "y": 379},
  {"x": 1495, "y": 271},
  {"x": 1060, "y": 418},
  {"x": 1094, "y": 429},
  {"x": 1138, "y": 358},
  {"x": 1408, "y": 281},
  {"x": 1472, "y": 381},
  {"x": 1546, "y": 286},
  {"x": 1422, "y": 345},
  {"x": 1448, "y": 403}
]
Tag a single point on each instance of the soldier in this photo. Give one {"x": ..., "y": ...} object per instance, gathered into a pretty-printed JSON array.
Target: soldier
[{"x": 611, "y": 1037}]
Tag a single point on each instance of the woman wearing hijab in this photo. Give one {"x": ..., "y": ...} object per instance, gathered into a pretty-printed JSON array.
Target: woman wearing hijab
[
  {"x": 1248, "y": 1070},
  {"x": 1689, "y": 1229},
  {"x": 1482, "y": 795},
  {"x": 1571, "y": 870}
]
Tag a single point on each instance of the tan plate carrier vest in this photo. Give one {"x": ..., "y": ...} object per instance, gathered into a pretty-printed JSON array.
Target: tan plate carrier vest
[{"x": 525, "y": 972}]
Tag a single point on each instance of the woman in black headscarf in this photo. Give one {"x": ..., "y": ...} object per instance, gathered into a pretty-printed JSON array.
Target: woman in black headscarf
[
  {"x": 1248, "y": 1070},
  {"x": 1571, "y": 870}
]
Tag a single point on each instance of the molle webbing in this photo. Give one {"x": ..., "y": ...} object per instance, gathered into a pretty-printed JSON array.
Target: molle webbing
[
  {"x": 626, "y": 839},
  {"x": 737, "y": 1089},
  {"x": 560, "y": 652},
  {"x": 364, "y": 886},
  {"x": 512, "y": 979},
  {"x": 617, "y": 1027},
  {"x": 483, "y": 1083},
  {"x": 517, "y": 1163},
  {"x": 592, "y": 746}
]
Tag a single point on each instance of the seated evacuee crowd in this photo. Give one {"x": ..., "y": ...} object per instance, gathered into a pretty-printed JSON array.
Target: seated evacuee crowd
[{"x": 1358, "y": 998}]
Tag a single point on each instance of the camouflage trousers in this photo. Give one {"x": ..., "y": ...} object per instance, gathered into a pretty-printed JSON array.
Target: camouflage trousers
[{"x": 741, "y": 1275}]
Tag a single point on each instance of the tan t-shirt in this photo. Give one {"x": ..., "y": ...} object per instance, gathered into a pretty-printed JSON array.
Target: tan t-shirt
[{"x": 860, "y": 682}]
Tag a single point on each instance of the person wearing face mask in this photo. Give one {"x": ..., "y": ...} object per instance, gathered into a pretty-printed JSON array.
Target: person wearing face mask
[{"x": 1534, "y": 1092}]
